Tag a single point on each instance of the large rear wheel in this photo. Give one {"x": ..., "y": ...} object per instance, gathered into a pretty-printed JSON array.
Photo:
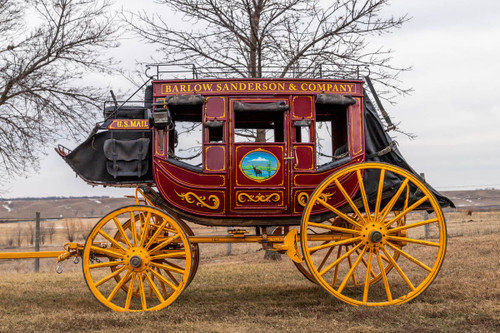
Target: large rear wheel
[{"x": 381, "y": 237}]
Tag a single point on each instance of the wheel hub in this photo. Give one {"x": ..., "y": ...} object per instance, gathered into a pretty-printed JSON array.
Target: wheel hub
[
  {"x": 135, "y": 261},
  {"x": 375, "y": 236},
  {"x": 138, "y": 258}
]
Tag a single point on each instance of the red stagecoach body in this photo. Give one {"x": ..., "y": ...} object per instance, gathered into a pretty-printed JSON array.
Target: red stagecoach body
[
  {"x": 237, "y": 183},
  {"x": 262, "y": 153}
]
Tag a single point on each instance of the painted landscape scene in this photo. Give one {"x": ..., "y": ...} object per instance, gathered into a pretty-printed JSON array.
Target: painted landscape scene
[{"x": 259, "y": 165}]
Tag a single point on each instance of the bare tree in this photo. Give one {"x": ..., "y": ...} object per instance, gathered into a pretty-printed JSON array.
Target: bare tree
[
  {"x": 19, "y": 234},
  {"x": 278, "y": 38},
  {"x": 70, "y": 227},
  {"x": 44, "y": 63},
  {"x": 51, "y": 230},
  {"x": 30, "y": 234}
]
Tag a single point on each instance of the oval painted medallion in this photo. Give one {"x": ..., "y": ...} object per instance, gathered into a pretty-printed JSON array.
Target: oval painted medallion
[{"x": 259, "y": 165}]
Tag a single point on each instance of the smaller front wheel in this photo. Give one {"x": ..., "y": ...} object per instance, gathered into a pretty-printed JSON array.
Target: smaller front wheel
[{"x": 146, "y": 268}]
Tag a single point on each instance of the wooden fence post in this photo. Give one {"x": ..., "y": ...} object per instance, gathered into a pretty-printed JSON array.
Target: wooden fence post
[
  {"x": 229, "y": 245},
  {"x": 37, "y": 241},
  {"x": 425, "y": 215}
]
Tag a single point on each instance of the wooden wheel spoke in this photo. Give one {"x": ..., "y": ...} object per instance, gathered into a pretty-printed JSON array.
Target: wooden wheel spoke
[
  {"x": 366, "y": 264},
  {"x": 110, "y": 276},
  {"x": 336, "y": 272},
  {"x": 384, "y": 276},
  {"x": 339, "y": 213},
  {"x": 133, "y": 228},
  {"x": 398, "y": 269},
  {"x": 349, "y": 260},
  {"x": 163, "y": 289},
  {"x": 130, "y": 291},
  {"x": 168, "y": 268},
  {"x": 165, "y": 281},
  {"x": 145, "y": 229},
  {"x": 412, "y": 225},
  {"x": 122, "y": 232},
  {"x": 342, "y": 242},
  {"x": 392, "y": 202},
  {"x": 156, "y": 234},
  {"x": 326, "y": 242},
  {"x": 106, "y": 264},
  {"x": 379, "y": 194},
  {"x": 349, "y": 201},
  {"x": 325, "y": 258},
  {"x": 164, "y": 243},
  {"x": 159, "y": 271},
  {"x": 334, "y": 228},
  {"x": 172, "y": 254},
  {"x": 351, "y": 271},
  {"x": 154, "y": 288},
  {"x": 172, "y": 264},
  {"x": 409, "y": 257},
  {"x": 406, "y": 211},
  {"x": 171, "y": 276},
  {"x": 367, "y": 278},
  {"x": 336, "y": 262},
  {"x": 363, "y": 193},
  {"x": 112, "y": 240},
  {"x": 411, "y": 240},
  {"x": 142, "y": 292},
  {"x": 107, "y": 252},
  {"x": 118, "y": 286}
]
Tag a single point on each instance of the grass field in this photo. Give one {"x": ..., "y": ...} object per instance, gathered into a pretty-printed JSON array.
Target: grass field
[{"x": 243, "y": 293}]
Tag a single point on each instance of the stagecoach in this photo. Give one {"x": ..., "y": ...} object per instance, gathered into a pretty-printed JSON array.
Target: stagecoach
[{"x": 280, "y": 162}]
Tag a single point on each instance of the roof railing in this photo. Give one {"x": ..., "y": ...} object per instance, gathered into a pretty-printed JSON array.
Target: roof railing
[{"x": 174, "y": 71}]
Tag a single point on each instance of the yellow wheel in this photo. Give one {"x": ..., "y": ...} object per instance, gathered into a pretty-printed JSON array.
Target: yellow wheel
[
  {"x": 337, "y": 251},
  {"x": 150, "y": 259},
  {"x": 381, "y": 237},
  {"x": 194, "y": 248}
]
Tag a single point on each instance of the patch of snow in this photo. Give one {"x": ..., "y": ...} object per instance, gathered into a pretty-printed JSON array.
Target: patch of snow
[{"x": 7, "y": 207}]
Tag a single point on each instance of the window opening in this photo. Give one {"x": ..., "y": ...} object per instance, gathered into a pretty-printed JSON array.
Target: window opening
[
  {"x": 258, "y": 126},
  {"x": 185, "y": 139},
  {"x": 331, "y": 133},
  {"x": 215, "y": 134},
  {"x": 302, "y": 131}
]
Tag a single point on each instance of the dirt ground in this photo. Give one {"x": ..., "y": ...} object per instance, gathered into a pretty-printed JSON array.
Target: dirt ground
[{"x": 243, "y": 293}]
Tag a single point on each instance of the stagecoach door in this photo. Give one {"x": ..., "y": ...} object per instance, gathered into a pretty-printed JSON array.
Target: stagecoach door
[{"x": 259, "y": 155}]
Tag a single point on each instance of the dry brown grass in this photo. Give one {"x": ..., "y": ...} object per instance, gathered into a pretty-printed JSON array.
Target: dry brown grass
[{"x": 241, "y": 293}]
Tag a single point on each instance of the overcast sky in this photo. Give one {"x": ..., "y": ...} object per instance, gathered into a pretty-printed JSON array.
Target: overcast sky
[{"x": 454, "y": 49}]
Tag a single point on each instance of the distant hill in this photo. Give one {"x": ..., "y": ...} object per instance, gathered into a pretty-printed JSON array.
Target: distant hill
[
  {"x": 25, "y": 208},
  {"x": 476, "y": 199},
  {"x": 21, "y": 209}
]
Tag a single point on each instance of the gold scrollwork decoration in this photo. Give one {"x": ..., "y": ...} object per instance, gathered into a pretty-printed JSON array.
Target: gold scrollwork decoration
[
  {"x": 245, "y": 197},
  {"x": 200, "y": 200},
  {"x": 303, "y": 197}
]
